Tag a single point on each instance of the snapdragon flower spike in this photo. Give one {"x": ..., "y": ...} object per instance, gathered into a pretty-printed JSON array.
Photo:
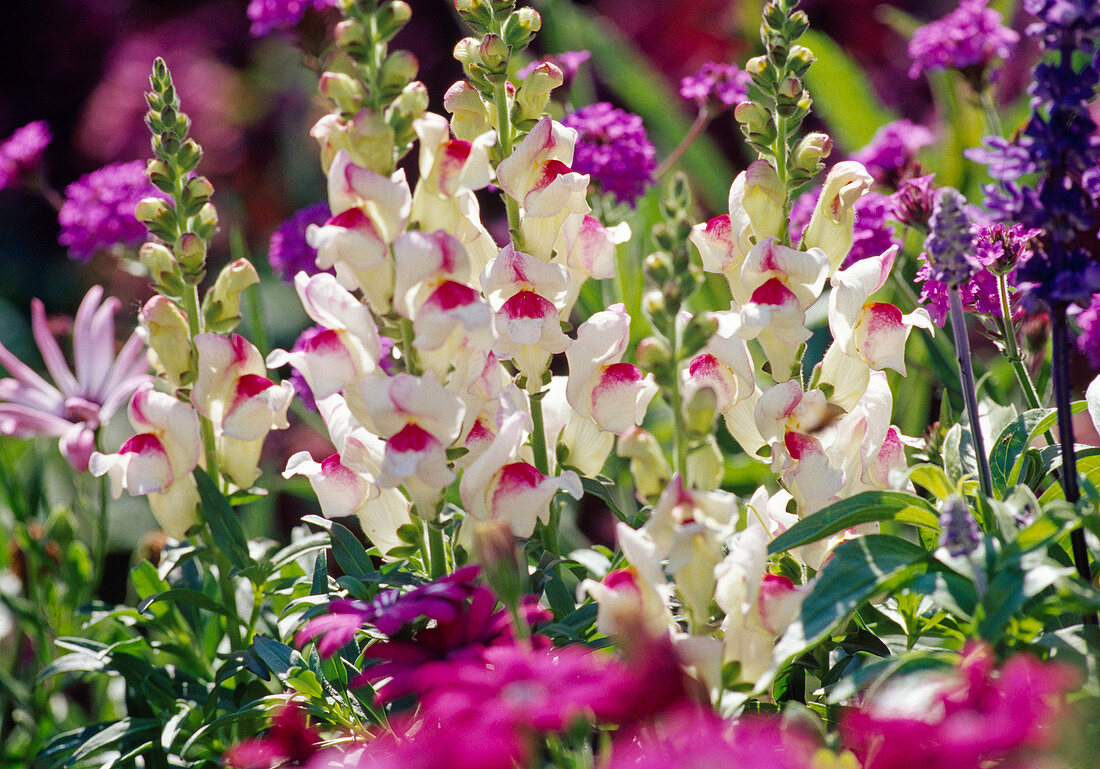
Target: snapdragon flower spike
[
  {"x": 348, "y": 348},
  {"x": 158, "y": 461},
  {"x": 418, "y": 419},
  {"x": 759, "y": 606},
  {"x": 497, "y": 487},
  {"x": 538, "y": 176},
  {"x": 778, "y": 284},
  {"x": 527, "y": 296},
  {"x": 613, "y": 394},
  {"x": 833, "y": 219},
  {"x": 233, "y": 392},
  {"x": 75, "y": 406},
  {"x": 451, "y": 170},
  {"x": 390, "y": 611},
  {"x": 369, "y": 212}
]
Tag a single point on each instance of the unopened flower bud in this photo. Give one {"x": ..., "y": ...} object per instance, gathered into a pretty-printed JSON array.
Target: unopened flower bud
[
  {"x": 652, "y": 353},
  {"x": 343, "y": 90},
  {"x": 163, "y": 271},
  {"x": 764, "y": 199},
  {"x": 496, "y": 549},
  {"x": 494, "y": 54},
  {"x": 199, "y": 188},
  {"x": 705, "y": 466},
  {"x": 349, "y": 32},
  {"x": 756, "y": 65},
  {"x": 391, "y": 17},
  {"x": 698, "y": 331},
  {"x": 222, "y": 305},
  {"x": 658, "y": 267},
  {"x": 653, "y": 302},
  {"x": 700, "y": 411},
  {"x": 790, "y": 88},
  {"x": 648, "y": 465},
  {"x": 191, "y": 253},
  {"x": 520, "y": 27},
  {"x": 206, "y": 222},
  {"x": 535, "y": 90},
  {"x": 799, "y": 58},
  {"x": 399, "y": 68},
  {"x": 470, "y": 116},
  {"x": 810, "y": 151},
  {"x": 165, "y": 330},
  {"x": 412, "y": 102},
  {"x": 158, "y": 174},
  {"x": 151, "y": 210}
]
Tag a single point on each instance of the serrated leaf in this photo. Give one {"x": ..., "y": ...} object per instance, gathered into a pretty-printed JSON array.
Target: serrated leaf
[
  {"x": 224, "y": 523},
  {"x": 866, "y": 507}
]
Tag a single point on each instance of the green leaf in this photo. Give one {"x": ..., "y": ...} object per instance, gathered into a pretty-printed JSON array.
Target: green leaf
[
  {"x": 278, "y": 657},
  {"x": 597, "y": 488},
  {"x": 933, "y": 478},
  {"x": 186, "y": 595},
  {"x": 224, "y": 523},
  {"x": 349, "y": 552},
  {"x": 858, "y": 569},
  {"x": 866, "y": 507},
  {"x": 842, "y": 94}
]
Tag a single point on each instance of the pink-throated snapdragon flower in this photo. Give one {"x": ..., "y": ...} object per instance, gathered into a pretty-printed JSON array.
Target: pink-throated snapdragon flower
[
  {"x": 968, "y": 38},
  {"x": 975, "y": 715},
  {"x": 159, "y": 460},
  {"x": 21, "y": 153},
  {"x": 98, "y": 212},
  {"x": 75, "y": 406},
  {"x": 613, "y": 148}
]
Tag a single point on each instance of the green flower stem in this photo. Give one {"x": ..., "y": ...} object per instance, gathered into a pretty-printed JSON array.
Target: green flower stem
[
  {"x": 538, "y": 436},
  {"x": 1062, "y": 402},
  {"x": 505, "y": 138},
  {"x": 412, "y": 362},
  {"x": 989, "y": 111},
  {"x": 1012, "y": 352},
  {"x": 425, "y": 546},
  {"x": 781, "y": 172},
  {"x": 679, "y": 438},
  {"x": 206, "y": 427},
  {"x": 437, "y": 551},
  {"x": 225, "y": 585},
  {"x": 970, "y": 396}
]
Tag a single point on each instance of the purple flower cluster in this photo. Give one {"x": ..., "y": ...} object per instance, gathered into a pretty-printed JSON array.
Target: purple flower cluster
[
  {"x": 1088, "y": 341},
  {"x": 716, "y": 86},
  {"x": 912, "y": 203},
  {"x": 893, "y": 147},
  {"x": 871, "y": 233},
  {"x": 613, "y": 148},
  {"x": 968, "y": 38},
  {"x": 1060, "y": 146},
  {"x": 21, "y": 153},
  {"x": 270, "y": 15},
  {"x": 98, "y": 212},
  {"x": 288, "y": 252},
  {"x": 950, "y": 241},
  {"x": 960, "y": 533}
]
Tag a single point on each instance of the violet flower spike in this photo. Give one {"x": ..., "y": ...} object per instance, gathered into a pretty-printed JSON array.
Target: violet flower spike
[{"x": 74, "y": 406}]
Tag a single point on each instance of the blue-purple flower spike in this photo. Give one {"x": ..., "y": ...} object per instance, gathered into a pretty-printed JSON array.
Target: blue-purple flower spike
[
  {"x": 959, "y": 531},
  {"x": 950, "y": 243}
]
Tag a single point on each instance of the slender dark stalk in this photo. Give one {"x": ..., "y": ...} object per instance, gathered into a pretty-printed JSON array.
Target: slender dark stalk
[
  {"x": 970, "y": 395},
  {"x": 1062, "y": 398}
]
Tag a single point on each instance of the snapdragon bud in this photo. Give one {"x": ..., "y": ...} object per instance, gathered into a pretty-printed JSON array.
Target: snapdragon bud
[
  {"x": 658, "y": 267},
  {"x": 206, "y": 221},
  {"x": 811, "y": 150},
  {"x": 222, "y": 305},
  {"x": 799, "y": 59},
  {"x": 398, "y": 70},
  {"x": 349, "y": 32},
  {"x": 520, "y": 27},
  {"x": 151, "y": 211},
  {"x": 412, "y": 102},
  {"x": 652, "y": 353},
  {"x": 343, "y": 90},
  {"x": 496, "y": 549},
  {"x": 467, "y": 53},
  {"x": 162, "y": 267},
  {"x": 478, "y": 13},
  {"x": 765, "y": 196},
  {"x": 165, "y": 331},
  {"x": 653, "y": 302},
  {"x": 534, "y": 92},
  {"x": 648, "y": 465},
  {"x": 191, "y": 253},
  {"x": 700, "y": 411},
  {"x": 391, "y": 18},
  {"x": 159, "y": 175},
  {"x": 494, "y": 54},
  {"x": 470, "y": 116},
  {"x": 757, "y": 65}
]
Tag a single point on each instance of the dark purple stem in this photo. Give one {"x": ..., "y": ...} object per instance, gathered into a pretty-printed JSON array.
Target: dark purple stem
[
  {"x": 970, "y": 395},
  {"x": 1062, "y": 399}
]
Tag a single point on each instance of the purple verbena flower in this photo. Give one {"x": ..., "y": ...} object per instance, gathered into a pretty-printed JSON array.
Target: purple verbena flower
[
  {"x": 968, "y": 38},
  {"x": 268, "y": 16},
  {"x": 288, "y": 251},
  {"x": 21, "y": 153},
  {"x": 716, "y": 86},
  {"x": 74, "y": 406},
  {"x": 912, "y": 203},
  {"x": 1088, "y": 341},
  {"x": 1000, "y": 249},
  {"x": 98, "y": 212},
  {"x": 893, "y": 147},
  {"x": 978, "y": 294},
  {"x": 613, "y": 148}
]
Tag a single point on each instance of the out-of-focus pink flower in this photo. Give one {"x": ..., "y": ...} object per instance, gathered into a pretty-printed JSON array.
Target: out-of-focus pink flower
[
  {"x": 893, "y": 147},
  {"x": 717, "y": 86},
  {"x": 691, "y": 738},
  {"x": 970, "y": 37},
  {"x": 289, "y": 742},
  {"x": 975, "y": 715},
  {"x": 1088, "y": 342},
  {"x": 268, "y": 16},
  {"x": 74, "y": 407},
  {"x": 613, "y": 148},
  {"x": 21, "y": 153}
]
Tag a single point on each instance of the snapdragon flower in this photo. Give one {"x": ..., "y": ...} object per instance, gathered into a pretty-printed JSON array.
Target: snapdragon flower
[{"x": 74, "y": 406}]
